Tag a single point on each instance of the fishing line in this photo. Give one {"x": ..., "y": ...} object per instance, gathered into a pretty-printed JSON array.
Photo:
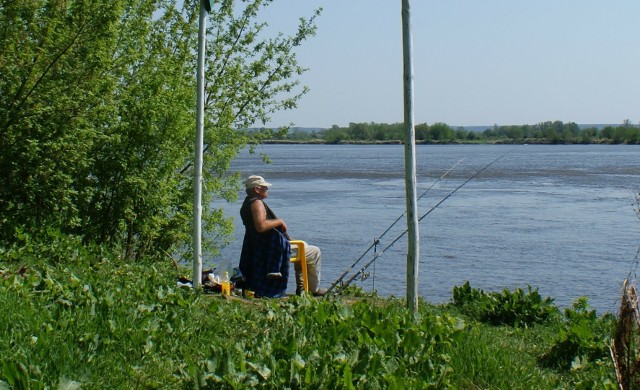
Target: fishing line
[
  {"x": 367, "y": 265},
  {"x": 376, "y": 241}
]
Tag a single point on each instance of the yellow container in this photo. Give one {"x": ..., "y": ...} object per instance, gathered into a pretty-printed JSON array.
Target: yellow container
[
  {"x": 225, "y": 284},
  {"x": 226, "y": 288}
]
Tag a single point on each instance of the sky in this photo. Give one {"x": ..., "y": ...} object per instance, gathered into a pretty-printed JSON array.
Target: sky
[{"x": 475, "y": 63}]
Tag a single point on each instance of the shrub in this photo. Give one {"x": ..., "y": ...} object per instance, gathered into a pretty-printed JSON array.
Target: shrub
[{"x": 515, "y": 308}]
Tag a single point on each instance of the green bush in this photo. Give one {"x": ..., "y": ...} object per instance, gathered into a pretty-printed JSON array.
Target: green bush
[
  {"x": 575, "y": 345},
  {"x": 515, "y": 308}
]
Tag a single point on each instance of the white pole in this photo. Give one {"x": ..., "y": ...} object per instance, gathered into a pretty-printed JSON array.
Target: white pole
[
  {"x": 413, "y": 253},
  {"x": 197, "y": 176}
]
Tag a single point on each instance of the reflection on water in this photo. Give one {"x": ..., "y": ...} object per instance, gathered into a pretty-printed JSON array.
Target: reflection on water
[{"x": 556, "y": 217}]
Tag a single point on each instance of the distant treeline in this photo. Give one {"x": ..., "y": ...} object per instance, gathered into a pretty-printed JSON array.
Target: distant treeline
[{"x": 555, "y": 132}]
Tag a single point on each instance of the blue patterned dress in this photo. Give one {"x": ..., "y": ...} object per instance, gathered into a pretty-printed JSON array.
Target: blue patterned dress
[{"x": 263, "y": 253}]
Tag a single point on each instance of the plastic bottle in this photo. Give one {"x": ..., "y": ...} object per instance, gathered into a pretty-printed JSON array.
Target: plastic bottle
[{"x": 225, "y": 284}]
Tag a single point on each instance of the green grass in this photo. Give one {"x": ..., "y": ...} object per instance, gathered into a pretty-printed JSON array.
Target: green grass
[{"x": 106, "y": 324}]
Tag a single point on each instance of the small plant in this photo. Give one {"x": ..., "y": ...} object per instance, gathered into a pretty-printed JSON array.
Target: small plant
[{"x": 515, "y": 308}]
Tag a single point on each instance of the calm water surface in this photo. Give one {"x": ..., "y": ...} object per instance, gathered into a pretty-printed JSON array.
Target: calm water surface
[{"x": 557, "y": 217}]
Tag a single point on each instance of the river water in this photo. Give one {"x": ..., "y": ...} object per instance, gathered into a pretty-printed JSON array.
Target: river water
[{"x": 559, "y": 218}]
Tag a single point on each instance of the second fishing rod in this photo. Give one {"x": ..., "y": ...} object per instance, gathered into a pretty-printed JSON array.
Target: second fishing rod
[
  {"x": 376, "y": 241},
  {"x": 340, "y": 285}
]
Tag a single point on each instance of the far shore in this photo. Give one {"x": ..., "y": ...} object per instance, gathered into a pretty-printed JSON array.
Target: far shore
[{"x": 432, "y": 142}]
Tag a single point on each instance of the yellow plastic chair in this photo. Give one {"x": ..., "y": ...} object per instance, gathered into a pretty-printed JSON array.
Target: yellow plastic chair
[{"x": 299, "y": 256}]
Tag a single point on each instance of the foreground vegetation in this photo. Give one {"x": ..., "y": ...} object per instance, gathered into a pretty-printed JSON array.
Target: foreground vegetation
[{"x": 98, "y": 322}]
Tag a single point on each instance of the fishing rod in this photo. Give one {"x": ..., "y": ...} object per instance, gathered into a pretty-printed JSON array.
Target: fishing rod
[
  {"x": 378, "y": 255},
  {"x": 377, "y": 240}
]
